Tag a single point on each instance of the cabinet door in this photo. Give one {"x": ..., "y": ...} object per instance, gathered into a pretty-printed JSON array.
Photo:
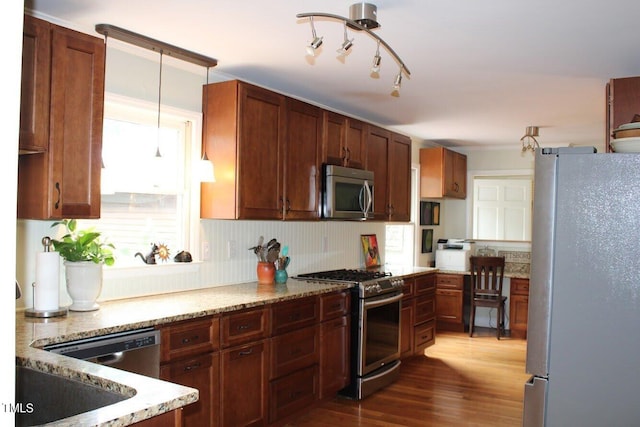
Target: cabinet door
[
  {"x": 425, "y": 336},
  {"x": 399, "y": 178},
  {"x": 449, "y": 305},
  {"x": 294, "y": 350},
  {"x": 293, "y": 393},
  {"x": 201, "y": 372},
  {"x": 243, "y": 373},
  {"x": 335, "y": 135},
  {"x": 334, "y": 356},
  {"x": 35, "y": 85},
  {"x": 261, "y": 129},
  {"x": 356, "y": 143},
  {"x": 377, "y": 145},
  {"x": 518, "y": 315},
  {"x": 302, "y": 160},
  {"x": 77, "y": 99},
  {"x": 406, "y": 328},
  {"x": 455, "y": 169}
]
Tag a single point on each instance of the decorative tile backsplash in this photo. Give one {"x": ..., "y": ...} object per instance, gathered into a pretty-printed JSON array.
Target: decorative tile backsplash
[{"x": 516, "y": 262}]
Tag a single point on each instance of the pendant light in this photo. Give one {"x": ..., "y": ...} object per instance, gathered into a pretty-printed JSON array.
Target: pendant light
[
  {"x": 158, "y": 155},
  {"x": 205, "y": 166}
]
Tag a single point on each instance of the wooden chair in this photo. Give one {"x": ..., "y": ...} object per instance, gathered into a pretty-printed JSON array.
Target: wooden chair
[{"x": 487, "y": 274}]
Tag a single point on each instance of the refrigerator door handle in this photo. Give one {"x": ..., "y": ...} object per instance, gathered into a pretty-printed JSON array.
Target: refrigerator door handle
[{"x": 535, "y": 392}]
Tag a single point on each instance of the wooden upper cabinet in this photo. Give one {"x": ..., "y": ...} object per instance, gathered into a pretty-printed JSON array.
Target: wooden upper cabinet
[
  {"x": 443, "y": 173},
  {"x": 399, "y": 190},
  {"x": 623, "y": 103},
  {"x": 344, "y": 141},
  {"x": 64, "y": 180},
  {"x": 378, "y": 140},
  {"x": 389, "y": 157},
  {"x": 35, "y": 87},
  {"x": 266, "y": 149},
  {"x": 303, "y": 160}
]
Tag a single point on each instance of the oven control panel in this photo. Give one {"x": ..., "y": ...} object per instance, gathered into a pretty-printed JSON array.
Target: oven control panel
[{"x": 381, "y": 286}]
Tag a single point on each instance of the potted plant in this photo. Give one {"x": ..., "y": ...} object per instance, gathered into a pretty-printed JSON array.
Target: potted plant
[{"x": 84, "y": 254}]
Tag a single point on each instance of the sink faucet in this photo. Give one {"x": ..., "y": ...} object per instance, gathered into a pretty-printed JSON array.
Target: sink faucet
[{"x": 18, "y": 291}]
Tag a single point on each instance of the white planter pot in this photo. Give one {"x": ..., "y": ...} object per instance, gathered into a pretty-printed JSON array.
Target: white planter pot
[{"x": 84, "y": 284}]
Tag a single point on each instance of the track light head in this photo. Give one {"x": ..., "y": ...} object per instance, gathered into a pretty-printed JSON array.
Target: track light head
[
  {"x": 397, "y": 83},
  {"x": 315, "y": 42}
]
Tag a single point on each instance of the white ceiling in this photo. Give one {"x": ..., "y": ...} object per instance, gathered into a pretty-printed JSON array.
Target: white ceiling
[{"x": 481, "y": 71}]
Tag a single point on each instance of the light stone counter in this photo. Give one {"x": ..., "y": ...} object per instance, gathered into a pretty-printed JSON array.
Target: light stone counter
[{"x": 150, "y": 396}]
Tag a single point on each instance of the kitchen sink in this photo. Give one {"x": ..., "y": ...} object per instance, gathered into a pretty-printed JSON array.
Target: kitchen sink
[{"x": 42, "y": 397}]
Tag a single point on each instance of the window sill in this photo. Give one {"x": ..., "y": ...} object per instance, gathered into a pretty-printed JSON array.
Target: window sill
[{"x": 151, "y": 270}]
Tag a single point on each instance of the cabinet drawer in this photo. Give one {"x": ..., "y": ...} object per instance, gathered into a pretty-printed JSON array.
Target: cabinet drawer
[
  {"x": 451, "y": 281},
  {"x": 244, "y": 326},
  {"x": 190, "y": 338},
  {"x": 335, "y": 305},
  {"x": 408, "y": 289},
  {"x": 293, "y": 393},
  {"x": 296, "y": 314},
  {"x": 425, "y": 308},
  {"x": 425, "y": 284},
  {"x": 294, "y": 350},
  {"x": 425, "y": 335},
  {"x": 520, "y": 286}
]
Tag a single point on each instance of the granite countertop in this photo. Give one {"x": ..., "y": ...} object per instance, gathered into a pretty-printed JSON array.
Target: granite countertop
[{"x": 150, "y": 396}]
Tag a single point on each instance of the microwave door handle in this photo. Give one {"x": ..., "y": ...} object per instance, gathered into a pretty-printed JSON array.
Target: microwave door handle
[{"x": 369, "y": 198}]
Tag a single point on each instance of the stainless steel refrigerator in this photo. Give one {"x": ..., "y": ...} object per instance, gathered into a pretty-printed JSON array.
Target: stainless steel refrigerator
[{"x": 583, "y": 338}]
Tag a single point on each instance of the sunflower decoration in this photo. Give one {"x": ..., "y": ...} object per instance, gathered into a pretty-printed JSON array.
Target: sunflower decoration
[{"x": 163, "y": 252}]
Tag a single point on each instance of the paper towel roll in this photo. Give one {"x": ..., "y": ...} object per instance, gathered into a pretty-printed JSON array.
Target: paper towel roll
[{"x": 46, "y": 292}]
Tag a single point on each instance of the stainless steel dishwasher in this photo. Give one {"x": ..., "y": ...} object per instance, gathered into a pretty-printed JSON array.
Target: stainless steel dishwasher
[{"x": 135, "y": 351}]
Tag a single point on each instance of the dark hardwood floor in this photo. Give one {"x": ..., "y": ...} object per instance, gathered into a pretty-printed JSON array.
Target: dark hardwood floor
[{"x": 461, "y": 381}]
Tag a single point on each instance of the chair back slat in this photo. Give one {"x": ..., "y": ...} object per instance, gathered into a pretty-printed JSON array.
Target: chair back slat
[{"x": 487, "y": 274}]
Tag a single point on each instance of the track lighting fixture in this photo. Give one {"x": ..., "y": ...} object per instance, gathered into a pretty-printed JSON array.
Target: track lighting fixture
[
  {"x": 375, "y": 66},
  {"x": 346, "y": 44},
  {"x": 315, "y": 42},
  {"x": 396, "y": 84},
  {"x": 529, "y": 141},
  {"x": 362, "y": 18}
]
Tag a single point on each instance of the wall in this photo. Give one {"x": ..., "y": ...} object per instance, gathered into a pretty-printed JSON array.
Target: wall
[{"x": 313, "y": 246}]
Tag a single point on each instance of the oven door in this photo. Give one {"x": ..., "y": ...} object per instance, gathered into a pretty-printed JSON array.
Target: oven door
[{"x": 380, "y": 338}]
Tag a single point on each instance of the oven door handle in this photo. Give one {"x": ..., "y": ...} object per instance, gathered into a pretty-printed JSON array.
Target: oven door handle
[{"x": 373, "y": 303}]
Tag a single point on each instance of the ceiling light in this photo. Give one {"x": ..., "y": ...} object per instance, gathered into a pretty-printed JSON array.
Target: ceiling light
[
  {"x": 375, "y": 66},
  {"x": 396, "y": 84},
  {"x": 315, "y": 42},
  {"x": 529, "y": 141},
  {"x": 346, "y": 44},
  {"x": 363, "y": 18}
]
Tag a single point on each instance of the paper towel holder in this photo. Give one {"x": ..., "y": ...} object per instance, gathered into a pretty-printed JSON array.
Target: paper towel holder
[{"x": 32, "y": 312}]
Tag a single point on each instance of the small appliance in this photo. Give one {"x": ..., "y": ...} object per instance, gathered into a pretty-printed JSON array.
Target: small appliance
[
  {"x": 453, "y": 254},
  {"x": 347, "y": 193}
]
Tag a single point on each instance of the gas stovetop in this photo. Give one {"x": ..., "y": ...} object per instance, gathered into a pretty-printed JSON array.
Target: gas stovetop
[{"x": 369, "y": 282}]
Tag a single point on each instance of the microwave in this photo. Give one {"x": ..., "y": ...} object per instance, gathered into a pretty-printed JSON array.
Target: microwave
[{"x": 347, "y": 193}]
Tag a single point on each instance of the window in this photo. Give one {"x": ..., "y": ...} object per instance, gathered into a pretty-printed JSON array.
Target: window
[{"x": 147, "y": 198}]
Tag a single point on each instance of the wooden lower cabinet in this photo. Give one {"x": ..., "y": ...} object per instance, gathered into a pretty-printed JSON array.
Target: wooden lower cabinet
[
  {"x": 335, "y": 342},
  {"x": 243, "y": 384},
  {"x": 417, "y": 316},
  {"x": 293, "y": 392},
  {"x": 202, "y": 373},
  {"x": 449, "y": 301},
  {"x": 190, "y": 357},
  {"x": 519, "y": 307}
]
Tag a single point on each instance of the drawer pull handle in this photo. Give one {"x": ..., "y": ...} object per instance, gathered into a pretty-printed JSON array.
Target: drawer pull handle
[
  {"x": 192, "y": 367},
  {"x": 188, "y": 340},
  {"x": 245, "y": 352},
  {"x": 243, "y": 327}
]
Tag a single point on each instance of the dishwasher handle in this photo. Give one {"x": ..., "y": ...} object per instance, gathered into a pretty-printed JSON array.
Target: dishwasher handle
[{"x": 110, "y": 359}]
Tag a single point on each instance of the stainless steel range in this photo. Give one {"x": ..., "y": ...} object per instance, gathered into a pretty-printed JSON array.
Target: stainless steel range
[{"x": 375, "y": 327}]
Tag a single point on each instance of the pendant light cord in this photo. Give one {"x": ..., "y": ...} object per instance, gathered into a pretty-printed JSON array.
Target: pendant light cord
[{"x": 159, "y": 100}]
